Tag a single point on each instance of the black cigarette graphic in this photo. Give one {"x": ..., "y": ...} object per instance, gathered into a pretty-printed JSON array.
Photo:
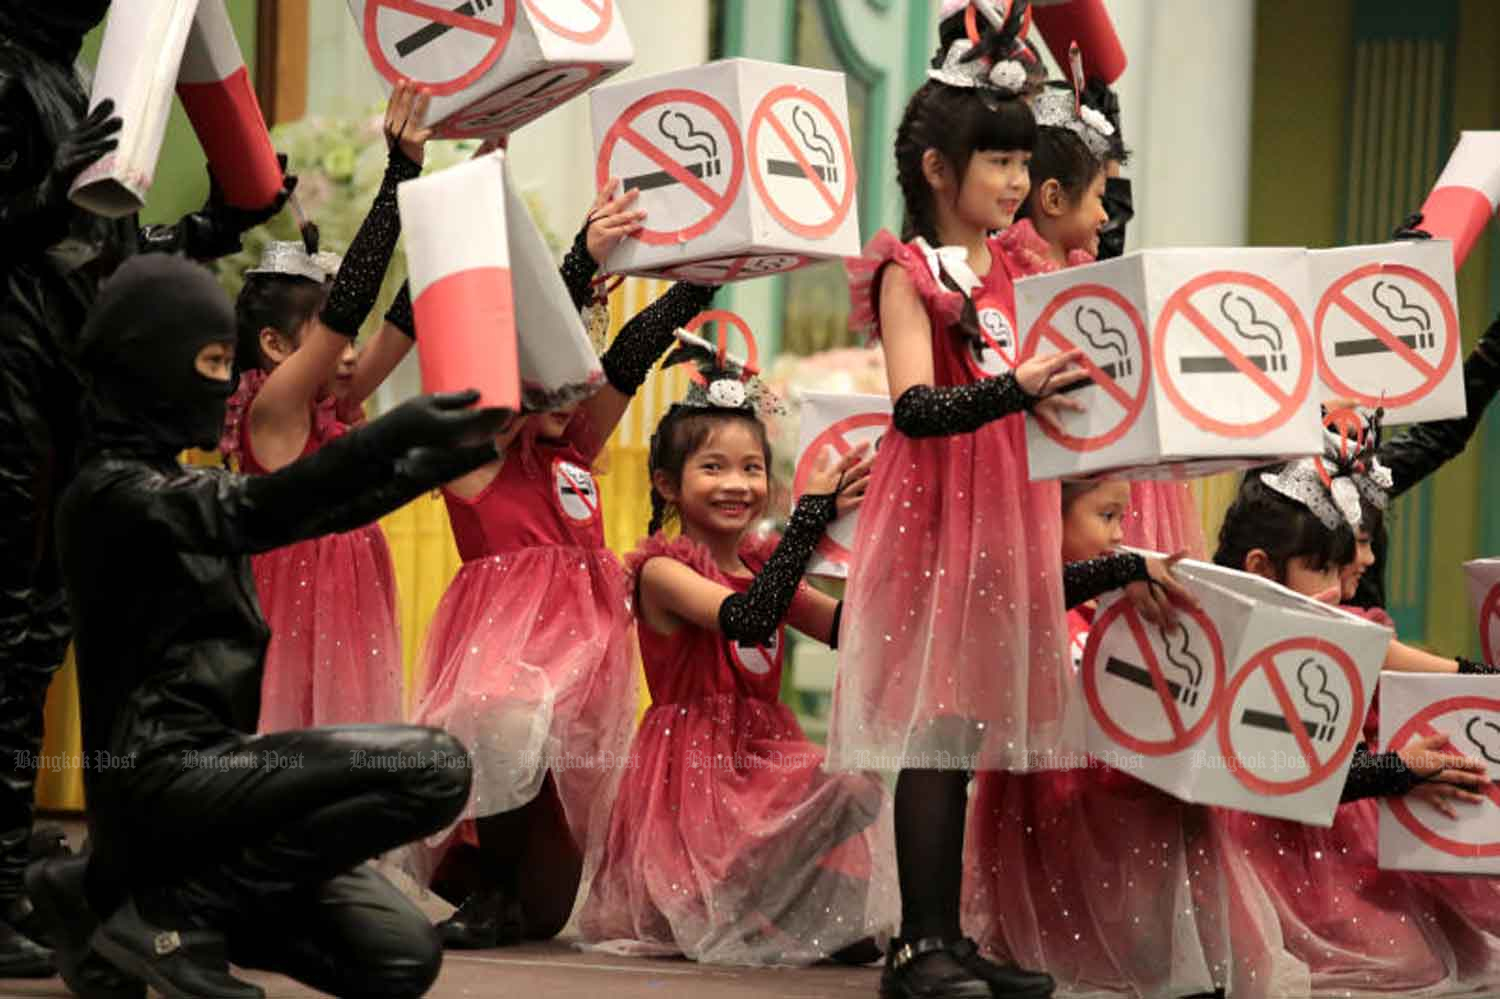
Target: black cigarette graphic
[
  {"x": 1114, "y": 369},
  {"x": 787, "y": 168},
  {"x": 661, "y": 178},
  {"x": 1216, "y": 365},
  {"x": 1375, "y": 345},
  {"x": 432, "y": 32},
  {"x": 1132, "y": 673},
  {"x": 1322, "y": 731}
]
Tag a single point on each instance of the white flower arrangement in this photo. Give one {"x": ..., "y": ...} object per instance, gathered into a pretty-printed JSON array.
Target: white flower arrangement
[
  {"x": 1094, "y": 118},
  {"x": 1008, "y": 76},
  {"x": 727, "y": 392}
]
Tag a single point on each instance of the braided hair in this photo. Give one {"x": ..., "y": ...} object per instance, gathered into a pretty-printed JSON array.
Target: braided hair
[{"x": 683, "y": 430}]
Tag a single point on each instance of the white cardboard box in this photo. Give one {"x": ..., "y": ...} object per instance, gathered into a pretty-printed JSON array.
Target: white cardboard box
[
  {"x": 1484, "y": 595},
  {"x": 1386, "y": 326},
  {"x": 494, "y": 68},
  {"x": 1198, "y": 355},
  {"x": 1413, "y": 835},
  {"x": 832, "y": 424},
  {"x": 745, "y": 169},
  {"x": 1254, "y": 703}
]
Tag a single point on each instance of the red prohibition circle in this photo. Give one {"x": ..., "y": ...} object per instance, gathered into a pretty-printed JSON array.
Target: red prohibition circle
[
  {"x": 1402, "y": 812},
  {"x": 1490, "y": 609},
  {"x": 763, "y": 115},
  {"x": 720, "y": 206},
  {"x": 1266, "y": 659},
  {"x": 1131, "y": 406},
  {"x": 834, "y": 436},
  {"x": 1150, "y": 747},
  {"x": 1011, "y": 360},
  {"x": 560, "y": 475},
  {"x": 464, "y": 123},
  {"x": 605, "y": 10},
  {"x": 1180, "y": 300},
  {"x": 725, "y": 319},
  {"x": 440, "y": 88},
  {"x": 1450, "y": 347}
]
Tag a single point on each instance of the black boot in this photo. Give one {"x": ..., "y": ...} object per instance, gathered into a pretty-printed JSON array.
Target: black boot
[
  {"x": 928, "y": 969},
  {"x": 180, "y": 964},
  {"x": 56, "y": 889},
  {"x": 488, "y": 918},
  {"x": 1004, "y": 979}
]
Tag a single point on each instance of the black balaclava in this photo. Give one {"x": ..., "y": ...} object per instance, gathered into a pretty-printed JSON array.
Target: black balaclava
[
  {"x": 138, "y": 351},
  {"x": 1121, "y": 209},
  {"x": 54, "y": 28}
]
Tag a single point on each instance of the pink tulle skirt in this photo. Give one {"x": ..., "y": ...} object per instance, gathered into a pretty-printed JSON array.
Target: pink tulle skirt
[
  {"x": 953, "y": 652},
  {"x": 730, "y": 844},
  {"x": 1116, "y": 888},
  {"x": 1163, "y": 517},
  {"x": 335, "y": 652},
  {"x": 528, "y": 663}
]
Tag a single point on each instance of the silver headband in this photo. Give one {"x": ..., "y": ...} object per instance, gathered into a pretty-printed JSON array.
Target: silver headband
[
  {"x": 290, "y": 258},
  {"x": 1059, "y": 108}
]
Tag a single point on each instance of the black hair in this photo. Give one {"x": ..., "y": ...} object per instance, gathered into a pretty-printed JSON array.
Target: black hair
[
  {"x": 1063, "y": 156},
  {"x": 679, "y": 435},
  {"x": 1284, "y": 529},
  {"x": 284, "y": 302},
  {"x": 1075, "y": 489},
  {"x": 1371, "y": 519}
]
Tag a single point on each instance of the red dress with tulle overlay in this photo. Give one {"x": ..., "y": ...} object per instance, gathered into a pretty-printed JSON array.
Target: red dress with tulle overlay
[
  {"x": 953, "y": 653},
  {"x": 335, "y": 651},
  {"x": 527, "y": 661},
  {"x": 728, "y": 842}
]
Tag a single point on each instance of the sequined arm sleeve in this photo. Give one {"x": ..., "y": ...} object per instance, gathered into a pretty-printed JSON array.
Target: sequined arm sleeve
[
  {"x": 1083, "y": 581},
  {"x": 399, "y": 314},
  {"x": 928, "y": 411},
  {"x": 360, "y": 275},
  {"x": 578, "y": 269},
  {"x": 643, "y": 340},
  {"x": 753, "y": 616},
  {"x": 1377, "y": 775},
  {"x": 1468, "y": 667}
]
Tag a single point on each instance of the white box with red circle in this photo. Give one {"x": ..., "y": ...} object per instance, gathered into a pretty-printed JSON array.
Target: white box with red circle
[
  {"x": 493, "y": 65},
  {"x": 1385, "y": 322},
  {"x": 1254, "y": 701},
  {"x": 1414, "y": 836},
  {"x": 831, "y": 425},
  {"x": 744, "y": 168},
  {"x": 1483, "y": 576},
  {"x": 1200, "y": 360}
]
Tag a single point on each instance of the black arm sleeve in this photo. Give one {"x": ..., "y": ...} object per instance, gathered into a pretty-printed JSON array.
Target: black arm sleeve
[
  {"x": 927, "y": 411},
  {"x": 1468, "y": 667},
  {"x": 400, "y": 313},
  {"x": 1083, "y": 581},
  {"x": 1377, "y": 775},
  {"x": 838, "y": 621},
  {"x": 1419, "y": 450},
  {"x": 643, "y": 340},
  {"x": 360, "y": 275},
  {"x": 753, "y": 616},
  {"x": 578, "y": 269}
]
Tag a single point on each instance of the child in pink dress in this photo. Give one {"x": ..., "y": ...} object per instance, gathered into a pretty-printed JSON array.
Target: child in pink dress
[
  {"x": 728, "y": 843},
  {"x": 335, "y": 653}
]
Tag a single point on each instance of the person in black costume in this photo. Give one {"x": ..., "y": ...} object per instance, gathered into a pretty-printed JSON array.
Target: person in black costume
[
  {"x": 210, "y": 844},
  {"x": 52, "y": 257}
]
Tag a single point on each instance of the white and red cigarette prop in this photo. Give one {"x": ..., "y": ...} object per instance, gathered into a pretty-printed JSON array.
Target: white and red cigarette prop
[
  {"x": 220, "y": 101},
  {"x": 1085, "y": 23},
  {"x": 138, "y": 63},
  {"x": 458, "y": 262},
  {"x": 1467, "y": 194}
]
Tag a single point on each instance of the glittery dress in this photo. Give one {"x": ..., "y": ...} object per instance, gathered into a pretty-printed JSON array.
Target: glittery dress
[
  {"x": 335, "y": 652},
  {"x": 1116, "y": 888},
  {"x": 527, "y": 660},
  {"x": 953, "y": 653},
  {"x": 728, "y": 842}
]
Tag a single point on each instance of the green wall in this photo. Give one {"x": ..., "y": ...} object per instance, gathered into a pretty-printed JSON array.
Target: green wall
[{"x": 181, "y": 184}]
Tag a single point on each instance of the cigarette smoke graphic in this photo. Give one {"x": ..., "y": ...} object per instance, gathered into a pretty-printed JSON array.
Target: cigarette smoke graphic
[{"x": 1313, "y": 674}]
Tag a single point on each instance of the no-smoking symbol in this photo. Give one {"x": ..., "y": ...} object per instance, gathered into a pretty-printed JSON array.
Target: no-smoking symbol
[
  {"x": 1302, "y": 697},
  {"x": 722, "y": 270},
  {"x": 1153, "y": 688},
  {"x": 682, "y": 151},
  {"x": 577, "y": 492},
  {"x": 1473, "y": 727},
  {"x": 841, "y": 437},
  {"x": 581, "y": 21},
  {"x": 801, "y": 163},
  {"x": 1379, "y": 312},
  {"x": 758, "y": 660},
  {"x": 443, "y": 49},
  {"x": 527, "y": 99},
  {"x": 723, "y": 322},
  {"x": 994, "y": 352},
  {"x": 1234, "y": 354},
  {"x": 1107, "y": 328}
]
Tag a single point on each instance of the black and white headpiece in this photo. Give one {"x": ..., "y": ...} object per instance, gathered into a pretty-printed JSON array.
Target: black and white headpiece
[
  {"x": 1332, "y": 486},
  {"x": 1061, "y": 106}
]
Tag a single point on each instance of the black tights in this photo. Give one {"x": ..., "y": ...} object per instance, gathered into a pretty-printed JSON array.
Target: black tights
[
  {"x": 528, "y": 853},
  {"x": 930, "y": 807}
]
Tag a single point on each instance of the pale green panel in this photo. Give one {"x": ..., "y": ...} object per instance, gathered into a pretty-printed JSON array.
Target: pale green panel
[{"x": 181, "y": 184}]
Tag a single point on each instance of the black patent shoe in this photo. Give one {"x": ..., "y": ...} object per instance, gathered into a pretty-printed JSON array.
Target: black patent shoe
[
  {"x": 55, "y": 887},
  {"x": 928, "y": 969},
  {"x": 179, "y": 964},
  {"x": 1008, "y": 980},
  {"x": 858, "y": 954},
  {"x": 487, "y": 919}
]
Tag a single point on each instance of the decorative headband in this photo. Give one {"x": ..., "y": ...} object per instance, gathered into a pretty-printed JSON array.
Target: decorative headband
[
  {"x": 291, "y": 259},
  {"x": 1061, "y": 106},
  {"x": 723, "y": 381},
  {"x": 964, "y": 67},
  {"x": 1331, "y": 486}
]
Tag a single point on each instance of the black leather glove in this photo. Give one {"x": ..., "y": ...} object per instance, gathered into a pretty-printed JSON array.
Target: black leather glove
[
  {"x": 1410, "y": 228},
  {"x": 444, "y": 420},
  {"x": 214, "y": 230},
  {"x": 93, "y": 138}
]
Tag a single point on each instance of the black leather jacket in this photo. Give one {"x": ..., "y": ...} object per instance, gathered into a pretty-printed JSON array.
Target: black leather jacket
[{"x": 1421, "y": 449}]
